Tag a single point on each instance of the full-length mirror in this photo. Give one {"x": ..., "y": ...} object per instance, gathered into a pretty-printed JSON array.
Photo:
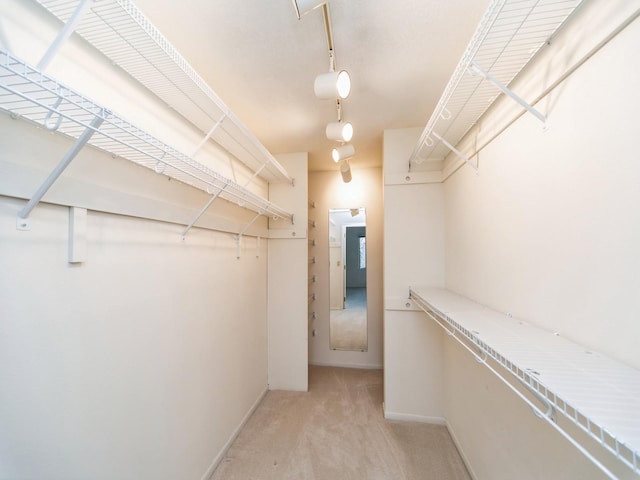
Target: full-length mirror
[{"x": 348, "y": 279}]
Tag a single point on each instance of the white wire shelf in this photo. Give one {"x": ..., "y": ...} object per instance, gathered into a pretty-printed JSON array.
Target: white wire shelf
[
  {"x": 594, "y": 392},
  {"x": 510, "y": 33},
  {"x": 120, "y": 31},
  {"x": 28, "y": 93}
]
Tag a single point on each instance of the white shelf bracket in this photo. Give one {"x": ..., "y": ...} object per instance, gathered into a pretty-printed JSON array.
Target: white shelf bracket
[
  {"x": 65, "y": 33},
  {"x": 244, "y": 230},
  {"x": 208, "y": 135},
  {"x": 475, "y": 69},
  {"x": 23, "y": 216},
  {"x": 77, "y": 235},
  {"x": 452, "y": 148},
  {"x": 256, "y": 173},
  {"x": 201, "y": 212}
]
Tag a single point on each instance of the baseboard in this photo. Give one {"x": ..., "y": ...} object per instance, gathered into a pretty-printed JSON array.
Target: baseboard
[
  {"x": 365, "y": 366},
  {"x": 407, "y": 417},
  {"x": 465, "y": 460},
  {"x": 234, "y": 435}
]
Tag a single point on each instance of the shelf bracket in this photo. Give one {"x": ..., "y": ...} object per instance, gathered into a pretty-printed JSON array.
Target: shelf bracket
[
  {"x": 475, "y": 69},
  {"x": 201, "y": 212},
  {"x": 208, "y": 135},
  {"x": 452, "y": 148},
  {"x": 22, "y": 222},
  {"x": 244, "y": 230},
  {"x": 65, "y": 33},
  {"x": 256, "y": 173}
]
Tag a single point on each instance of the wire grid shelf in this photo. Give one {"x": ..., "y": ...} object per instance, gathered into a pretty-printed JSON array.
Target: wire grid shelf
[
  {"x": 123, "y": 34},
  {"x": 510, "y": 33},
  {"x": 607, "y": 392},
  {"x": 28, "y": 93}
]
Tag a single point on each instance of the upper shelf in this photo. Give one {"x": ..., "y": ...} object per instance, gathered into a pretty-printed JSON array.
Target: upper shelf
[
  {"x": 509, "y": 35},
  {"x": 27, "y": 92},
  {"x": 594, "y": 392},
  {"x": 121, "y": 32}
]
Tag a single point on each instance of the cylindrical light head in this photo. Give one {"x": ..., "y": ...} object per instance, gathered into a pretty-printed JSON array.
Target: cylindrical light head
[
  {"x": 345, "y": 171},
  {"x": 332, "y": 85},
  {"x": 305, "y": 6},
  {"x": 339, "y": 131},
  {"x": 343, "y": 152}
]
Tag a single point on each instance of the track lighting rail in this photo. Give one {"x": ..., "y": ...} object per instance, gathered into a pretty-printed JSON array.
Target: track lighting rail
[
  {"x": 589, "y": 391},
  {"x": 27, "y": 92},
  {"x": 120, "y": 31},
  {"x": 509, "y": 35}
]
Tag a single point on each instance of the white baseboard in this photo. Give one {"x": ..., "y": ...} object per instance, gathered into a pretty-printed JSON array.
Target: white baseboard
[
  {"x": 364, "y": 366},
  {"x": 234, "y": 435},
  {"x": 407, "y": 417},
  {"x": 465, "y": 460}
]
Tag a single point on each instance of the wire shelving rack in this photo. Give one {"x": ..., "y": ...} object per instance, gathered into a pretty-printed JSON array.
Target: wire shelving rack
[
  {"x": 595, "y": 393},
  {"x": 509, "y": 35}
]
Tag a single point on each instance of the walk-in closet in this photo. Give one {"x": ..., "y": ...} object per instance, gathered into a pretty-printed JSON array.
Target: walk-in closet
[{"x": 319, "y": 239}]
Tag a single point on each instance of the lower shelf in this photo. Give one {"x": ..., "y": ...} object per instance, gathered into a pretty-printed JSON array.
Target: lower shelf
[{"x": 596, "y": 393}]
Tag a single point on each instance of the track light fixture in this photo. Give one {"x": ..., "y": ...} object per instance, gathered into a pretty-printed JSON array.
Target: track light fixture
[
  {"x": 345, "y": 171},
  {"x": 339, "y": 131},
  {"x": 305, "y": 6},
  {"x": 343, "y": 152},
  {"x": 332, "y": 85}
]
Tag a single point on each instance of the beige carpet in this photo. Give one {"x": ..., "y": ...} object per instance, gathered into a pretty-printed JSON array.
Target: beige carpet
[
  {"x": 348, "y": 329},
  {"x": 337, "y": 431}
]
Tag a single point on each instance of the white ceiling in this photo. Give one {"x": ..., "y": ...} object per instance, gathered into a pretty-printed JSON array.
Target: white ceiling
[{"x": 262, "y": 61}]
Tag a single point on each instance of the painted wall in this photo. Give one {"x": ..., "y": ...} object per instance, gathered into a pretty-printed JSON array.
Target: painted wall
[
  {"x": 548, "y": 230},
  {"x": 328, "y": 190},
  {"x": 145, "y": 360},
  {"x": 140, "y": 362},
  {"x": 413, "y": 255},
  {"x": 287, "y": 281}
]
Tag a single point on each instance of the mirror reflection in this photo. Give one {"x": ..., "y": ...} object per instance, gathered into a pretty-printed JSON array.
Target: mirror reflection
[{"x": 348, "y": 279}]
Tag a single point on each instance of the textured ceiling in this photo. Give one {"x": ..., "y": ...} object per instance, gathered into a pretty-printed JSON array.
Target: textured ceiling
[{"x": 262, "y": 61}]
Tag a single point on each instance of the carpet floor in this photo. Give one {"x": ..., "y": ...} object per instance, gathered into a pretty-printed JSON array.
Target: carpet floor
[
  {"x": 348, "y": 327},
  {"x": 337, "y": 431}
]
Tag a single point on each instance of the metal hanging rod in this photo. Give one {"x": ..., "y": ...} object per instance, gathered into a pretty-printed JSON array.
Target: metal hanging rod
[{"x": 27, "y": 92}]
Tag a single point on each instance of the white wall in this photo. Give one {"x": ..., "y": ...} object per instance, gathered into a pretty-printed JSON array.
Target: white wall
[
  {"x": 550, "y": 231},
  {"x": 145, "y": 360},
  {"x": 140, "y": 362},
  {"x": 287, "y": 281},
  {"x": 413, "y": 256},
  {"x": 328, "y": 190}
]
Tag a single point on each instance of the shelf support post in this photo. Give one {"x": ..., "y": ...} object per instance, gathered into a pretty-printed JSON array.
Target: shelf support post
[
  {"x": 474, "y": 69},
  {"x": 455, "y": 150},
  {"x": 244, "y": 230},
  {"x": 23, "y": 221},
  {"x": 65, "y": 33},
  {"x": 201, "y": 212},
  {"x": 256, "y": 173},
  {"x": 208, "y": 135}
]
